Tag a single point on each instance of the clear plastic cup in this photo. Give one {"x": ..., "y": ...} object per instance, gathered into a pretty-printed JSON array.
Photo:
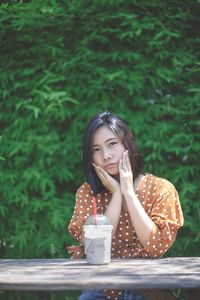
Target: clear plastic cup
[{"x": 97, "y": 239}]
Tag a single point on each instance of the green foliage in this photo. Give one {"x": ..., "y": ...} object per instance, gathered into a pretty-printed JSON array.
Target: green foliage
[
  {"x": 39, "y": 295},
  {"x": 63, "y": 61}
]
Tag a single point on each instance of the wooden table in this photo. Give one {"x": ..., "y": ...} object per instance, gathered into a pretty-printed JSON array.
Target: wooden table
[{"x": 67, "y": 274}]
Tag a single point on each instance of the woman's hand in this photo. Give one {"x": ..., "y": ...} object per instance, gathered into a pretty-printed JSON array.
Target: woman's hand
[
  {"x": 126, "y": 176},
  {"x": 108, "y": 181}
]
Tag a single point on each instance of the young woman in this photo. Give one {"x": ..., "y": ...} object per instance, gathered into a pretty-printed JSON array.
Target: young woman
[{"x": 144, "y": 210}]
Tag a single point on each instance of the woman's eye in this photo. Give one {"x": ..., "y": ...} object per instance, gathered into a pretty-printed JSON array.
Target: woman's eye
[
  {"x": 113, "y": 143},
  {"x": 95, "y": 149}
]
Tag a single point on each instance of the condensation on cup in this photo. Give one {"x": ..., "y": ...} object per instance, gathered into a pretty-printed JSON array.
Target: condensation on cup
[{"x": 98, "y": 239}]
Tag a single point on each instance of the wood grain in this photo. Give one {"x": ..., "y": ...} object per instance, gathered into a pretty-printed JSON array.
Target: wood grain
[{"x": 67, "y": 274}]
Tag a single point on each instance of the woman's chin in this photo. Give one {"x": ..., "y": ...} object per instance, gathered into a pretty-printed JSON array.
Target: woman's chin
[{"x": 113, "y": 173}]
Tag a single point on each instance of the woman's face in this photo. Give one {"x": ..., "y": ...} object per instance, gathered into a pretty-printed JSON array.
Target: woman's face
[{"x": 107, "y": 150}]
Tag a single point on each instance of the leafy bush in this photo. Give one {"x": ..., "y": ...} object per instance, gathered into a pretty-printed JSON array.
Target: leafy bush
[{"x": 63, "y": 61}]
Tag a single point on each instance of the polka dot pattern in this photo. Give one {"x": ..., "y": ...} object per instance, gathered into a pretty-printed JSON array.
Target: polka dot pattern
[{"x": 160, "y": 201}]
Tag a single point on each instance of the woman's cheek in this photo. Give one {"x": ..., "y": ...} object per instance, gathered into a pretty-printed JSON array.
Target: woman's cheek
[{"x": 95, "y": 161}]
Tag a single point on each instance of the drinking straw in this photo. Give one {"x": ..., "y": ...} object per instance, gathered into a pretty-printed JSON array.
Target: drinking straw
[{"x": 94, "y": 209}]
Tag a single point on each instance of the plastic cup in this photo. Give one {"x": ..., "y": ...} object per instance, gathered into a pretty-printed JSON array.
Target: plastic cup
[{"x": 97, "y": 240}]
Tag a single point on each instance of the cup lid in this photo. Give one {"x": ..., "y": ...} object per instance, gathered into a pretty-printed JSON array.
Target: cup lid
[{"x": 97, "y": 220}]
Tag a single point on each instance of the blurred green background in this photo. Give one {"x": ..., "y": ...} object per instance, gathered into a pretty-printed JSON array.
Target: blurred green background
[{"x": 61, "y": 63}]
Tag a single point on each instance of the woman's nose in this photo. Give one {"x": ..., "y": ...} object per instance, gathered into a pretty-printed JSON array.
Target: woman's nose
[{"x": 106, "y": 154}]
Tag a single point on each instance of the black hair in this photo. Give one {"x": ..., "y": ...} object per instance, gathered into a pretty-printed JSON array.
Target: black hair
[{"x": 121, "y": 129}]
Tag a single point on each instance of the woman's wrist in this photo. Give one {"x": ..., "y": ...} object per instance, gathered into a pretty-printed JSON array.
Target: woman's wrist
[
  {"x": 130, "y": 193},
  {"x": 116, "y": 191}
]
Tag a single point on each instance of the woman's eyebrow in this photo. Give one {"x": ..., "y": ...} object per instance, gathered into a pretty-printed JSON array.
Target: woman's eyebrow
[{"x": 106, "y": 141}]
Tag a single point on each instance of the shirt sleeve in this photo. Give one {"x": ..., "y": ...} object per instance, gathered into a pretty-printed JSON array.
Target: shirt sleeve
[
  {"x": 167, "y": 216},
  {"x": 83, "y": 209}
]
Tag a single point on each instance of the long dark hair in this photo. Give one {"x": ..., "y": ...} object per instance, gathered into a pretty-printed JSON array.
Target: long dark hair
[{"x": 118, "y": 127}]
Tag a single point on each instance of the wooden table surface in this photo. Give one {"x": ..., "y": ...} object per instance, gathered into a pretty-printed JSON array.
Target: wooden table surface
[{"x": 68, "y": 274}]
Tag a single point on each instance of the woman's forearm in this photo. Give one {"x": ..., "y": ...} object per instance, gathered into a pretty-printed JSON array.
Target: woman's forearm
[
  {"x": 114, "y": 209},
  {"x": 141, "y": 221}
]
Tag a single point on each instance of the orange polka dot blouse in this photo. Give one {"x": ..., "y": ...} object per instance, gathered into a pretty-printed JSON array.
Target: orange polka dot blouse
[{"x": 160, "y": 200}]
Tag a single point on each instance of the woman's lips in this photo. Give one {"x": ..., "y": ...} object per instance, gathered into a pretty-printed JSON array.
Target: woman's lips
[{"x": 110, "y": 166}]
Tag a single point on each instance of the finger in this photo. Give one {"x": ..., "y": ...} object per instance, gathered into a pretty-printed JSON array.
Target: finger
[
  {"x": 98, "y": 172},
  {"x": 94, "y": 166},
  {"x": 101, "y": 173},
  {"x": 120, "y": 165},
  {"x": 121, "y": 171},
  {"x": 128, "y": 163},
  {"x": 97, "y": 169},
  {"x": 124, "y": 162}
]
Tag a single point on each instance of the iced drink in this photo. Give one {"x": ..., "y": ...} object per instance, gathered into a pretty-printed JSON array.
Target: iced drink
[{"x": 97, "y": 240}]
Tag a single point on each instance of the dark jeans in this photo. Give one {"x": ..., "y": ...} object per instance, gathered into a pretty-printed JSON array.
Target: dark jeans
[{"x": 98, "y": 295}]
